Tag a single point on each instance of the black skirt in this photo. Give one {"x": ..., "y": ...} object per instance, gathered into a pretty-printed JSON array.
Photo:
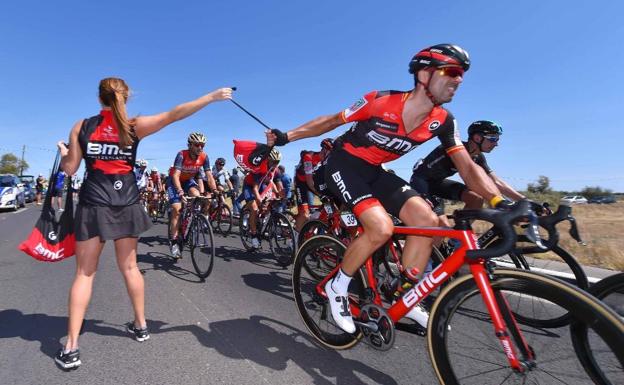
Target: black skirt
[{"x": 110, "y": 222}]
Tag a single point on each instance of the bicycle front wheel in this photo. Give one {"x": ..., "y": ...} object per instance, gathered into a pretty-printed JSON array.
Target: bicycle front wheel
[
  {"x": 465, "y": 350},
  {"x": 590, "y": 349},
  {"x": 244, "y": 229},
  {"x": 311, "y": 228},
  {"x": 314, "y": 307},
  {"x": 224, "y": 220},
  {"x": 202, "y": 246},
  {"x": 282, "y": 239}
]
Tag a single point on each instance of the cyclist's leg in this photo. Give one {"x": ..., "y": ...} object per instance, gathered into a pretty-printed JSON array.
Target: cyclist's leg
[
  {"x": 303, "y": 212},
  {"x": 457, "y": 191},
  {"x": 176, "y": 206}
]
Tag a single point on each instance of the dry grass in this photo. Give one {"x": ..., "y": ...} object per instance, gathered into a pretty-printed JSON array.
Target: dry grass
[{"x": 600, "y": 226}]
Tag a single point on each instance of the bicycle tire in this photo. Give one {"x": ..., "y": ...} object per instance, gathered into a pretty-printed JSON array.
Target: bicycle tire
[
  {"x": 610, "y": 290},
  {"x": 202, "y": 246},
  {"x": 311, "y": 228},
  {"x": 282, "y": 239},
  {"x": 243, "y": 229},
  {"x": 314, "y": 309},
  {"x": 583, "y": 308},
  {"x": 224, "y": 220}
]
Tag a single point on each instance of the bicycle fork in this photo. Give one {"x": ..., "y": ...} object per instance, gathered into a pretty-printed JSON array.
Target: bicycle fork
[{"x": 503, "y": 320}]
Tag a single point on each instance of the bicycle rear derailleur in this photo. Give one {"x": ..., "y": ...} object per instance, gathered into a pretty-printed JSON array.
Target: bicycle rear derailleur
[{"x": 377, "y": 326}]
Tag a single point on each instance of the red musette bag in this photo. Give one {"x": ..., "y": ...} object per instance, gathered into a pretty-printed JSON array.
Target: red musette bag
[
  {"x": 52, "y": 240},
  {"x": 251, "y": 155}
]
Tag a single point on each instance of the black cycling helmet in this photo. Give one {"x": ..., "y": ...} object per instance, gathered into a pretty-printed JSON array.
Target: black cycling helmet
[
  {"x": 220, "y": 161},
  {"x": 484, "y": 127},
  {"x": 327, "y": 144},
  {"x": 439, "y": 56}
]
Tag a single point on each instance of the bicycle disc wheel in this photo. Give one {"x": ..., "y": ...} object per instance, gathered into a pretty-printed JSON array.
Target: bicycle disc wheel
[
  {"x": 282, "y": 239},
  {"x": 202, "y": 246},
  {"x": 243, "y": 227},
  {"x": 224, "y": 220},
  {"x": 590, "y": 349},
  {"x": 314, "y": 308},
  {"x": 465, "y": 350},
  {"x": 311, "y": 228}
]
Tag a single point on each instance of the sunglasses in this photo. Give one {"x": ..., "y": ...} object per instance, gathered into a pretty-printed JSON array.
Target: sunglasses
[
  {"x": 493, "y": 139},
  {"x": 452, "y": 72},
  {"x": 200, "y": 145}
]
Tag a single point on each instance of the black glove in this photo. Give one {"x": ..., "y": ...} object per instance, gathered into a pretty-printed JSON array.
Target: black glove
[{"x": 281, "y": 138}]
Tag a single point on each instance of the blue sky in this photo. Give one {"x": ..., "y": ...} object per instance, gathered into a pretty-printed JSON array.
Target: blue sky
[{"x": 550, "y": 72}]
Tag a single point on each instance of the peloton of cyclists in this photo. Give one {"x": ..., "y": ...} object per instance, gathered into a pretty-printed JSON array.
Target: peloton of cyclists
[
  {"x": 155, "y": 188},
  {"x": 389, "y": 124},
  {"x": 183, "y": 180}
]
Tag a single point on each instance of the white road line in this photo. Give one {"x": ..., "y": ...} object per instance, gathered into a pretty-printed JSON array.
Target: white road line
[{"x": 560, "y": 274}]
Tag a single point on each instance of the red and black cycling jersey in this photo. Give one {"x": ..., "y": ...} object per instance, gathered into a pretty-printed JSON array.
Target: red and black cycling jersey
[
  {"x": 110, "y": 179},
  {"x": 307, "y": 162},
  {"x": 188, "y": 166},
  {"x": 379, "y": 134},
  {"x": 438, "y": 165}
]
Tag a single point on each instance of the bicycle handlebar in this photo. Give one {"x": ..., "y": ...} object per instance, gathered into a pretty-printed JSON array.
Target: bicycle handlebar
[
  {"x": 503, "y": 221},
  {"x": 549, "y": 223}
]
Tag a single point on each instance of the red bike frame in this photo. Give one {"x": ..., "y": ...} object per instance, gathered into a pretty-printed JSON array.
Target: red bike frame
[{"x": 437, "y": 277}]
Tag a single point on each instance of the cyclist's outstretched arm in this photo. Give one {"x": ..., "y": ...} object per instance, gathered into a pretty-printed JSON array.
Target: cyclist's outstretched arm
[
  {"x": 474, "y": 176},
  {"x": 505, "y": 188},
  {"x": 314, "y": 127},
  {"x": 147, "y": 125}
]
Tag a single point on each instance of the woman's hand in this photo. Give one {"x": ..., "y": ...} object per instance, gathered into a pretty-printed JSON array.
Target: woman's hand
[
  {"x": 63, "y": 148},
  {"x": 222, "y": 93}
]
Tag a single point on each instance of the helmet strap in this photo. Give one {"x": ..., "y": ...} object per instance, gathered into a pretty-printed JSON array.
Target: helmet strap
[{"x": 426, "y": 87}]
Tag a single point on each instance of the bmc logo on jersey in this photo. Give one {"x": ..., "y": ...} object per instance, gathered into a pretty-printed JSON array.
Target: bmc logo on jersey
[
  {"x": 107, "y": 149},
  {"x": 395, "y": 145}
]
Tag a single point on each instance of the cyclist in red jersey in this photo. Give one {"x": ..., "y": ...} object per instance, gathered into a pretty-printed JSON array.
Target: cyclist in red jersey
[
  {"x": 389, "y": 124},
  {"x": 255, "y": 186},
  {"x": 108, "y": 208},
  {"x": 185, "y": 179},
  {"x": 154, "y": 187},
  {"x": 304, "y": 184}
]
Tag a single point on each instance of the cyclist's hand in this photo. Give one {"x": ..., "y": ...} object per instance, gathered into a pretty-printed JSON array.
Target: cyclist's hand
[
  {"x": 276, "y": 137},
  {"x": 183, "y": 199}
]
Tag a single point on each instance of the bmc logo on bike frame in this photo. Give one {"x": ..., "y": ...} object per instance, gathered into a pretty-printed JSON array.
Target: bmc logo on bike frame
[
  {"x": 425, "y": 286},
  {"x": 396, "y": 145}
]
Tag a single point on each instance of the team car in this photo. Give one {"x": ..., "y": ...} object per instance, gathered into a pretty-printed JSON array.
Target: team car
[{"x": 11, "y": 192}]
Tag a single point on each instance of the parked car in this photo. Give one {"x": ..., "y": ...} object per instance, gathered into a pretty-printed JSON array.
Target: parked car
[
  {"x": 11, "y": 192},
  {"x": 29, "y": 187},
  {"x": 573, "y": 200},
  {"x": 602, "y": 199}
]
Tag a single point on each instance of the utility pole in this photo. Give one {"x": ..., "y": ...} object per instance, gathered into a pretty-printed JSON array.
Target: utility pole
[{"x": 22, "y": 162}]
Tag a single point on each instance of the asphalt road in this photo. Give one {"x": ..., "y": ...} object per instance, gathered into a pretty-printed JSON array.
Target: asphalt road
[{"x": 240, "y": 326}]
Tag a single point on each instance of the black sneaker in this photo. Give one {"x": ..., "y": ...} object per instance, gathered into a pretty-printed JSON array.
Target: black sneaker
[
  {"x": 69, "y": 360},
  {"x": 139, "y": 334}
]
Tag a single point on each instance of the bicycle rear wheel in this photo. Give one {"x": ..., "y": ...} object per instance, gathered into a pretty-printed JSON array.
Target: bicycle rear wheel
[
  {"x": 590, "y": 349},
  {"x": 201, "y": 246},
  {"x": 312, "y": 306},
  {"x": 282, "y": 239},
  {"x": 465, "y": 350},
  {"x": 311, "y": 228}
]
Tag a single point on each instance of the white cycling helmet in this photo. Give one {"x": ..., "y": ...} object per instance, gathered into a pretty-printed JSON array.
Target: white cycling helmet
[{"x": 154, "y": 169}]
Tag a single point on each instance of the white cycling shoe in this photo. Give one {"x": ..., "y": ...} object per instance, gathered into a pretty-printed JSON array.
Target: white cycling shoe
[{"x": 339, "y": 305}]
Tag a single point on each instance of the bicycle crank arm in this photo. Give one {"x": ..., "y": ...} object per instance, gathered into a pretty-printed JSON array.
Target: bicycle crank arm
[{"x": 371, "y": 326}]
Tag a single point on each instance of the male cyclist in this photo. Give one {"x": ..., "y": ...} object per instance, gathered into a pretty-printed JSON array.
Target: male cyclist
[
  {"x": 154, "y": 187},
  {"x": 254, "y": 187},
  {"x": 389, "y": 124},
  {"x": 140, "y": 172},
  {"x": 430, "y": 173},
  {"x": 188, "y": 163},
  {"x": 304, "y": 183},
  {"x": 221, "y": 177}
]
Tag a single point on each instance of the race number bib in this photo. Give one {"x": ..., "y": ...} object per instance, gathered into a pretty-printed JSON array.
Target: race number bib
[{"x": 348, "y": 219}]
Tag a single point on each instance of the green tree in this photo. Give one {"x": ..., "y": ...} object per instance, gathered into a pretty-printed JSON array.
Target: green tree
[
  {"x": 542, "y": 186},
  {"x": 595, "y": 191},
  {"x": 11, "y": 164}
]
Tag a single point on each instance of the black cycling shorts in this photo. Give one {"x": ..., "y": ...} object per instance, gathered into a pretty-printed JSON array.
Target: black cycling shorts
[
  {"x": 354, "y": 180},
  {"x": 304, "y": 195},
  {"x": 438, "y": 188}
]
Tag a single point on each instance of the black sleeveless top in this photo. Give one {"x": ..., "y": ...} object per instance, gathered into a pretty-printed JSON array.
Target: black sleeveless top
[{"x": 109, "y": 179}]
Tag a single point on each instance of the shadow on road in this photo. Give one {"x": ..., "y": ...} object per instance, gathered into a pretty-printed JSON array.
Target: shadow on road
[
  {"x": 154, "y": 240},
  {"x": 48, "y": 330},
  {"x": 259, "y": 258},
  {"x": 164, "y": 262},
  {"x": 275, "y": 282},
  {"x": 273, "y": 344}
]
